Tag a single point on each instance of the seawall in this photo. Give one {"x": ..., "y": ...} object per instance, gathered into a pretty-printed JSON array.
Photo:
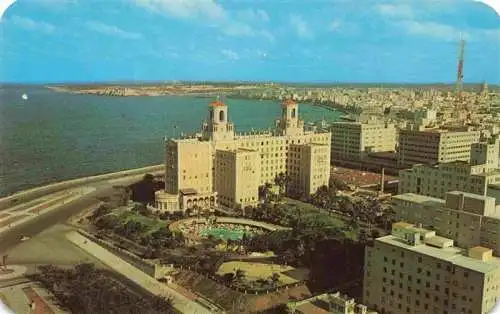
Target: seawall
[{"x": 55, "y": 187}]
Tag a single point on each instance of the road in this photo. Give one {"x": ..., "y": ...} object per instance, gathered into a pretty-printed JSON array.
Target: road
[
  {"x": 12, "y": 237},
  {"x": 25, "y": 196}
]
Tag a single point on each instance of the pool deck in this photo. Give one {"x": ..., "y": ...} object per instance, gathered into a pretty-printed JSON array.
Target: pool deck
[{"x": 238, "y": 221}]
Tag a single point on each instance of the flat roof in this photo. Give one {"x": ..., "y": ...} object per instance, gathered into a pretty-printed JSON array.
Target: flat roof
[
  {"x": 188, "y": 191},
  {"x": 420, "y": 199},
  {"x": 470, "y": 195},
  {"x": 453, "y": 254}
]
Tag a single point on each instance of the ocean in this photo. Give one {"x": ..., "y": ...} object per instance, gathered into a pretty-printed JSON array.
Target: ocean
[{"x": 55, "y": 136}]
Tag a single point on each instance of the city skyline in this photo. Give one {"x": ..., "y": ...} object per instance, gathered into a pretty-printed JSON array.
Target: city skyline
[{"x": 145, "y": 40}]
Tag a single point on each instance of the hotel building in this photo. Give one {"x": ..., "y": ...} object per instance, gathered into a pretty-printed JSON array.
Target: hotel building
[
  {"x": 414, "y": 271},
  {"x": 469, "y": 219},
  {"x": 219, "y": 166},
  {"x": 434, "y": 146}
]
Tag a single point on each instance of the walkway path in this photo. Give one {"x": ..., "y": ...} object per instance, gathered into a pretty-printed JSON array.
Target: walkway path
[{"x": 180, "y": 302}]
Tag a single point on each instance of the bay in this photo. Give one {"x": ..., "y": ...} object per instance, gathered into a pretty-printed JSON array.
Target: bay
[{"x": 54, "y": 136}]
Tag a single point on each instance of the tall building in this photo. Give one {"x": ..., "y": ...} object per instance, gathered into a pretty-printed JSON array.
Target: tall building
[
  {"x": 355, "y": 140},
  {"x": 436, "y": 180},
  {"x": 198, "y": 169},
  {"x": 237, "y": 177},
  {"x": 475, "y": 176},
  {"x": 414, "y": 271},
  {"x": 435, "y": 146},
  {"x": 469, "y": 219}
]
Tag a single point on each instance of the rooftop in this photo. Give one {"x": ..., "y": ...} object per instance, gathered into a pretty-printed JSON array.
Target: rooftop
[
  {"x": 454, "y": 255},
  {"x": 217, "y": 103},
  {"x": 288, "y": 102},
  {"x": 420, "y": 199}
]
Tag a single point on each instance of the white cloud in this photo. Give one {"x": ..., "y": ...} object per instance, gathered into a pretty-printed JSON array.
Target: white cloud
[
  {"x": 396, "y": 10},
  {"x": 245, "y": 30},
  {"x": 231, "y": 55},
  {"x": 185, "y": 8},
  {"x": 111, "y": 30},
  {"x": 54, "y": 2},
  {"x": 238, "y": 29},
  {"x": 32, "y": 25},
  {"x": 300, "y": 26},
  {"x": 253, "y": 15},
  {"x": 432, "y": 29}
]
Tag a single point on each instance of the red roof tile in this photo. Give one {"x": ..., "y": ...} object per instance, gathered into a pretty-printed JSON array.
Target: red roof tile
[
  {"x": 217, "y": 103},
  {"x": 288, "y": 102}
]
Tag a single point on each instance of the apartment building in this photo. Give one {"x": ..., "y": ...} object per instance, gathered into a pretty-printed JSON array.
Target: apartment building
[
  {"x": 196, "y": 173},
  {"x": 434, "y": 146},
  {"x": 469, "y": 219},
  {"x": 353, "y": 141},
  {"x": 414, "y": 271},
  {"x": 439, "y": 179}
]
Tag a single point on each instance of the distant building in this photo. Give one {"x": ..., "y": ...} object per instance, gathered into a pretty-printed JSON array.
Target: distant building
[
  {"x": 437, "y": 180},
  {"x": 328, "y": 303},
  {"x": 353, "y": 141},
  {"x": 434, "y": 146},
  {"x": 469, "y": 219},
  {"x": 220, "y": 166},
  {"x": 414, "y": 271},
  {"x": 474, "y": 177}
]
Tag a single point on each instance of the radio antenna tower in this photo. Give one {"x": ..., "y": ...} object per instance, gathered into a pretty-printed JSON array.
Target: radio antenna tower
[{"x": 460, "y": 75}]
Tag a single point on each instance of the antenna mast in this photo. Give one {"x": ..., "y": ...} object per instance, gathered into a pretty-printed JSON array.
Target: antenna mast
[{"x": 460, "y": 76}]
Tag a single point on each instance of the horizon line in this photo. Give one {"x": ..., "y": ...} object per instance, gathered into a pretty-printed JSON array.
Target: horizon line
[{"x": 132, "y": 82}]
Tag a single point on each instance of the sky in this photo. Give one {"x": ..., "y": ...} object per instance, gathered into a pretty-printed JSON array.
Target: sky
[{"x": 396, "y": 41}]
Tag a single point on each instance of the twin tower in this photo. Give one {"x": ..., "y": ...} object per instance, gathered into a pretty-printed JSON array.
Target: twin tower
[{"x": 219, "y": 128}]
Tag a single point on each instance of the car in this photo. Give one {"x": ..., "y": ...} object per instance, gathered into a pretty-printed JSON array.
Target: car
[{"x": 25, "y": 238}]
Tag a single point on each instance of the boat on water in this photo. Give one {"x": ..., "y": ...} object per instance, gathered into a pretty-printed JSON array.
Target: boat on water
[{"x": 24, "y": 96}]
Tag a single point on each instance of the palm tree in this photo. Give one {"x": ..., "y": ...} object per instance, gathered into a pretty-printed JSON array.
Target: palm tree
[
  {"x": 265, "y": 192},
  {"x": 281, "y": 180},
  {"x": 275, "y": 277},
  {"x": 388, "y": 216},
  {"x": 239, "y": 275}
]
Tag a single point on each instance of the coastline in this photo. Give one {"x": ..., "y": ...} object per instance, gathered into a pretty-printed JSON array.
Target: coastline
[
  {"x": 230, "y": 93},
  {"x": 53, "y": 187}
]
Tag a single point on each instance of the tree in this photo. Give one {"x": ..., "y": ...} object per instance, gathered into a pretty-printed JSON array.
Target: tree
[
  {"x": 265, "y": 192},
  {"x": 362, "y": 237},
  {"x": 239, "y": 275},
  {"x": 388, "y": 216},
  {"x": 375, "y": 233},
  {"x": 275, "y": 277},
  {"x": 281, "y": 180}
]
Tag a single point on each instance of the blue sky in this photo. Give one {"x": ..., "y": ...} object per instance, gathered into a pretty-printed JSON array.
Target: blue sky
[{"x": 271, "y": 40}]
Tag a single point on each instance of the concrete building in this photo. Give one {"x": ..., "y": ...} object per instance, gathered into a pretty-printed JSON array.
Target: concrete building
[
  {"x": 469, "y": 219},
  {"x": 414, "y": 271},
  {"x": 198, "y": 170},
  {"x": 355, "y": 140},
  {"x": 328, "y": 303},
  {"x": 237, "y": 177},
  {"x": 437, "y": 180},
  {"x": 434, "y": 146}
]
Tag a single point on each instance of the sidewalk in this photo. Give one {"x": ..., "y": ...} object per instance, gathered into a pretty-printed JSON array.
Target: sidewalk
[{"x": 179, "y": 301}]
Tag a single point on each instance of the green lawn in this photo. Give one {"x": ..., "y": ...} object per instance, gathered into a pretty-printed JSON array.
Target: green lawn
[
  {"x": 315, "y": 218},
  {"x": 153, "y": 224}
]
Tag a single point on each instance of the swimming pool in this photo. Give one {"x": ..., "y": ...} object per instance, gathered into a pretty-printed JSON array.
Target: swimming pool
[{"x": 224, "y": 234}]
